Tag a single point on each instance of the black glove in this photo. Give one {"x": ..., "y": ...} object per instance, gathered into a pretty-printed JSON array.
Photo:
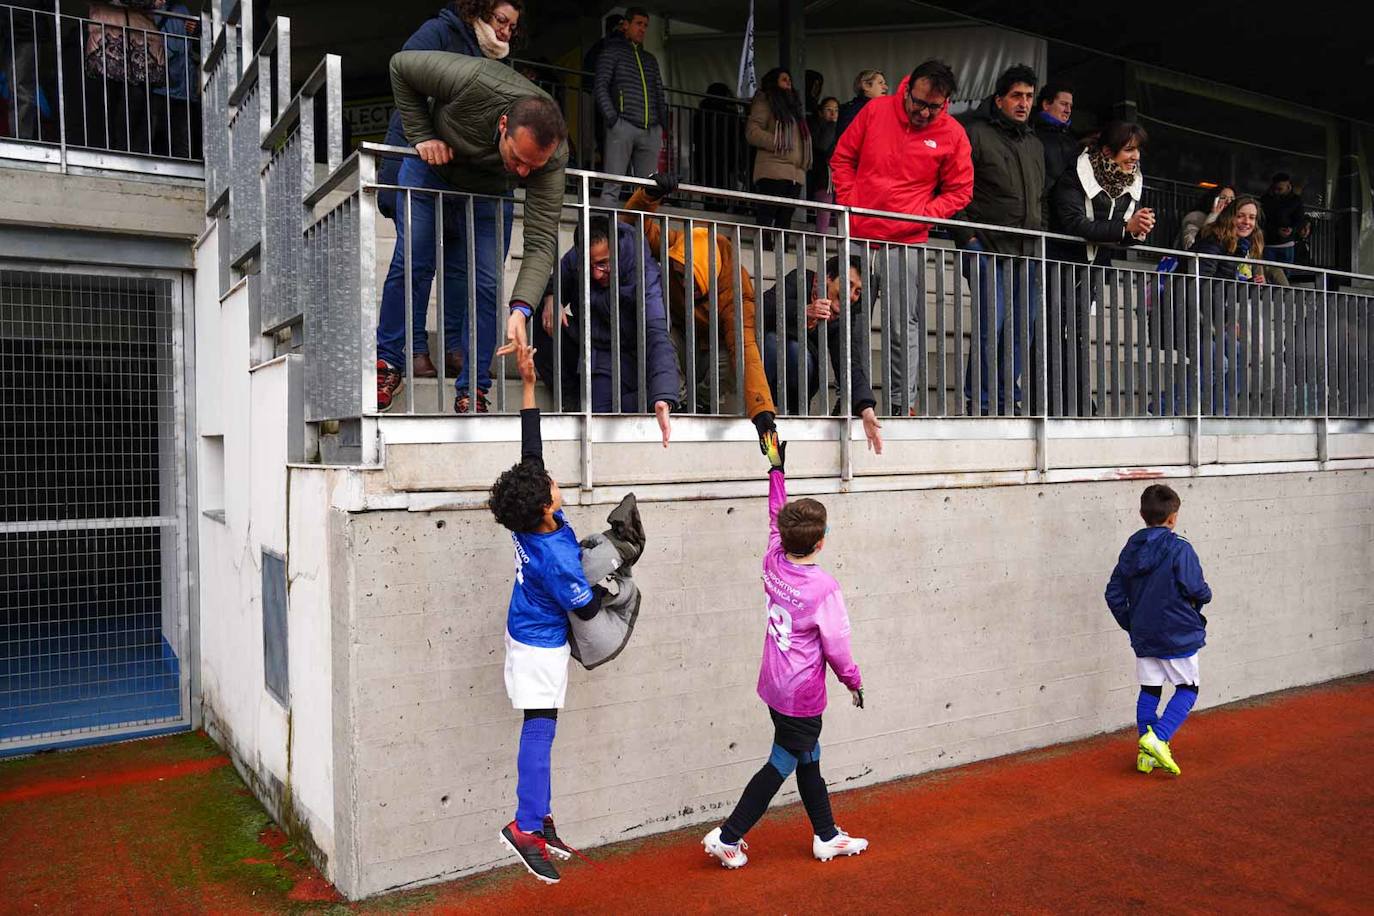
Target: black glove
[{"x": 665, "y": 183}]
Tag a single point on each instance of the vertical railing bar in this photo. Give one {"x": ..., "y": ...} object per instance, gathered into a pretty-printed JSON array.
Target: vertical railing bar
[
  {"x": 713, "y": 296},
  {"x": 474, "y": 368},
  {"x": 407, "y": 355},
  {"x": 498, "y": 204},
  {"x": 440, "y": 364},
  {"x": 847, "y": 331},
  {"x": 957, "y": 285},
  {"x": 584, "y": 295},
  {"x": 613, "y": 306},
  {"x": 979, "y": 326},
  {"x": 941, "y": 338},
  {"x": 689, "y": 328},
  {"x": 780, "y": 318},
  {"x": 642, "y": 404},
  {"x": 741, "y": 341},
  {"x": 823, "y": 334},
  {"x": 803, "y": 300},
  {"x": 556, "y": 335},
  {"x": 918, "y": 330}
]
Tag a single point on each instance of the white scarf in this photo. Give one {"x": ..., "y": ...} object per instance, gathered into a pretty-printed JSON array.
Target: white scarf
[{"x": 492, "y": 47}]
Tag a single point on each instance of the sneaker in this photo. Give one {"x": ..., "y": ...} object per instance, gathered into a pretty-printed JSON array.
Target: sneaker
[
  {"x": 556, "y": 845},
  {"x": 532, "y": 851},
  {"x": 463, "y": 403},
  {"x": 389, "y": 383},
  {"x": 1159, "y": 750},
  {"x": 842, "y": 844},
  {"x": 1145, "y": 763},
  {"x": 731, "y": 856}
]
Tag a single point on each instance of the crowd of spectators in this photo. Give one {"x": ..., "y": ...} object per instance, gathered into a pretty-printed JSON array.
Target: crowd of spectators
[{"x": 1012, "y": 165}]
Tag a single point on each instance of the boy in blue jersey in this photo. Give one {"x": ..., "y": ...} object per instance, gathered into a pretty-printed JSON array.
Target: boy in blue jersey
[
  {"x": 549, "y": 584},
  {"x": 1156, "y": 593}
]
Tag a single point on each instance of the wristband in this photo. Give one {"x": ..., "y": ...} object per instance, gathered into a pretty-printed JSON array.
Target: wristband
[{"x": 521, "y": 307}]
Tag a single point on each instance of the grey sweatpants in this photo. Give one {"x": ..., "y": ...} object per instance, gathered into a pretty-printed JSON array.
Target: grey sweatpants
[{"x": 630, "y": 150}]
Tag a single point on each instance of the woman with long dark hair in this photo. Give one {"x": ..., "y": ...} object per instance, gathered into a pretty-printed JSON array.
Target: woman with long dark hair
[{"x": 777, "y": 130}]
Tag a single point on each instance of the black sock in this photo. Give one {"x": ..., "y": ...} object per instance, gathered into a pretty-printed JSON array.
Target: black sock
[
  {"x": 816, "y": 798},
  {"x": 760, "y": 791}
]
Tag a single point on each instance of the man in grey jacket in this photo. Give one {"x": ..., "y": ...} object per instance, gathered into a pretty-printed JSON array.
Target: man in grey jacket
[
  {"x": 630, "y": 97},
  {"x": 487, "y": 130}
]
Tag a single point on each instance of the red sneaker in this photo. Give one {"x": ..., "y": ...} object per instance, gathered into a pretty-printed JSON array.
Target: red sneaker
[
  {"x": 532, "y": 851},
  {"x": 389, "y": 383},
  {"x": 463, "y": 403}
]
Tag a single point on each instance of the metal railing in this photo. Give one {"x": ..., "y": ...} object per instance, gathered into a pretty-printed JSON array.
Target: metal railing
[
  {"x": 118, "y": 89},
  {"x": 940, "y": 332}
]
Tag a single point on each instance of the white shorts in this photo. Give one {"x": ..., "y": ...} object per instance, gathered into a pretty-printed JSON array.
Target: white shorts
[
  {"x": 1156, "y": 672},
  {"x": 536, "y": 678}
]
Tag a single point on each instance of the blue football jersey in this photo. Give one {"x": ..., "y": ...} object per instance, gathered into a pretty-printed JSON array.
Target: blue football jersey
[{"x": 548, "y": 584}]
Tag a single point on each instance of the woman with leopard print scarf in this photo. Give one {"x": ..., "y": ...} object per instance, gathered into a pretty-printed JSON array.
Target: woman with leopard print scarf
[{"x": 1099, "y": 199}]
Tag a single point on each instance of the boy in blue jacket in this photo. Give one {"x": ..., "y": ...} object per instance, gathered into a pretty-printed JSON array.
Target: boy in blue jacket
[{"x": 1156, "y": 593}]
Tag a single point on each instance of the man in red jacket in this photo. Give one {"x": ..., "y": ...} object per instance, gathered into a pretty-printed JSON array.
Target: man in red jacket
[{"x": 904, "y": 154}]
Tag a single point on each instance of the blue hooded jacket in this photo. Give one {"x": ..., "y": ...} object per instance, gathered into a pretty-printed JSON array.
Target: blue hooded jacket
[
  {"x": 445, "y": 32},
  {"x": 661, "y": 370},
  {"x": 1157, "y": 592}
]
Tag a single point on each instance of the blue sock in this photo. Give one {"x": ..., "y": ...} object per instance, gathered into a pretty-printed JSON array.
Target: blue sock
[
  {"x": 1147, "y": 708},
  {"x": 532, "y": 786},
  {"x": 1180, "y": 704}
]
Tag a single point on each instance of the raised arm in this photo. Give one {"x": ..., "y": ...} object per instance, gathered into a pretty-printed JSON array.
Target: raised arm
[
  {"x": 777, "y": 493},
  {"x": 543, "y": 204},
  {"x": 531, "y": 442}
]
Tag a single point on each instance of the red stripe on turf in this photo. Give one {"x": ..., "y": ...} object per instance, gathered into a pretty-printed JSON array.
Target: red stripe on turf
[{"x": 70, "y": 785}]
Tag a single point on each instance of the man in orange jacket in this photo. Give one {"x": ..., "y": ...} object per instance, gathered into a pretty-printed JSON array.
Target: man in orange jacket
[{"x": 758, "y": 400}]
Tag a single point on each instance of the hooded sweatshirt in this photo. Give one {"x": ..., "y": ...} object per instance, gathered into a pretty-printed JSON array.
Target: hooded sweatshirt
[
  {"x": 881, "y": 162},
  {"x": 1156, "y": 594}
]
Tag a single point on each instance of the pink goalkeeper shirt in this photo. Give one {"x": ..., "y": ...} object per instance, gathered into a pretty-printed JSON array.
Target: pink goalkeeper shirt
[{"x": 808, "y": 626}]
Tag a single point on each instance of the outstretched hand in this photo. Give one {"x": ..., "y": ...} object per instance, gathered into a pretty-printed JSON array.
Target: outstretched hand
[
  {"x": 515, "y": 334},
  {"x": 872, "y": 430},
  {"x": 665, "y": 183},
  {"x": 664, "y": 411},
  {"x": 524, "y": 361}
]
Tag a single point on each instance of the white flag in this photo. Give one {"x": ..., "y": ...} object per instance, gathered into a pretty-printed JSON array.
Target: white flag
[{"x": 747, "y": 85}]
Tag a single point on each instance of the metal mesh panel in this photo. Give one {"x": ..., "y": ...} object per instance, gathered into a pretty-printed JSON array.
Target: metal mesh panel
[
  {"x": 216, "y": 120},
  {"x": 333, "y": 316},
  {"x": 245, "y": 182},
  {"x": 283, "y": 250},
  {"x": 89, "y": 568}
]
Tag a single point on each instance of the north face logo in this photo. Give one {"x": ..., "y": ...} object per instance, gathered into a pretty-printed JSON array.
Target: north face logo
[{"x": 930, "y": 143}]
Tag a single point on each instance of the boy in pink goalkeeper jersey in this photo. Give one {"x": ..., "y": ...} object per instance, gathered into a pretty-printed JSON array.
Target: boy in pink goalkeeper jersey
[{"x": 808, "y": 628}]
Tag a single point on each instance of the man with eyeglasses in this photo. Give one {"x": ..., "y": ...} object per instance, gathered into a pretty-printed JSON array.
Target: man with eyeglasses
[
  {"x": 607, "y": 308},
  {"x": 904, "y": 154},
  {"x": 478, "y": 128}
]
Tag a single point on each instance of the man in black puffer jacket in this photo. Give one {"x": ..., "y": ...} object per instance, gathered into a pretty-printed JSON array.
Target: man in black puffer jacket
[
  {"x": 1008, "y": 190},
  {"x": 630, "y": 97}
]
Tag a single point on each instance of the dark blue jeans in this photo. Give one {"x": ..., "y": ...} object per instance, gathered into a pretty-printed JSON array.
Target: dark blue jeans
[
  {"x": 993, "y": 320},
  {"x": 792, "y": 403},
  {"x": 419, "y": 235}
]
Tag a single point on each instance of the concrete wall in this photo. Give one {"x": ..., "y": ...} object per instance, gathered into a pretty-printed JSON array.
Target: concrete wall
[
  {"x": 251, "y": 501},
  {"x": 978, "y": 622},
  {"x": 139, "y": 205}
]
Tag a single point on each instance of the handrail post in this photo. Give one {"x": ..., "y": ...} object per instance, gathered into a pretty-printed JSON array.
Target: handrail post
[
  {"x": 1195, "y": 432},
  {"x": 584, "y": 220},
  {"x": 1042, "y": 433},
  {"x": 61, "y": 88},
  {"x": 1324, "y": 430},
  {"x": 846, "y": 343}
]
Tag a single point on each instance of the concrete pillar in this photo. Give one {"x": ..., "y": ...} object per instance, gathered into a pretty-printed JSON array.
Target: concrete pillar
[{"x": 792, "y": 41}]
